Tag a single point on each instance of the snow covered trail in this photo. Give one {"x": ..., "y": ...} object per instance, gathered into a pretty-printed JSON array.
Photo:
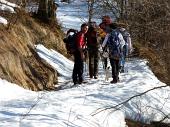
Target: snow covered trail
[{"x": 75, "y": 107}]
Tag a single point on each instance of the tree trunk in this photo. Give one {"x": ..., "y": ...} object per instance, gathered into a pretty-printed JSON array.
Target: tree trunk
[
  {"x": 52, "y": 7},
  {"x": 90, "y": 10},
  {"x": 43, "y": 10},
  {"x": 47, "y": 10},
  {"x": 122, "y": 9},
  {"x": 23, "y": 3}
]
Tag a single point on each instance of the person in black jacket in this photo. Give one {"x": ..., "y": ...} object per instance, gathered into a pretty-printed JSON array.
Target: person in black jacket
[{"x": 93, "y": 50}]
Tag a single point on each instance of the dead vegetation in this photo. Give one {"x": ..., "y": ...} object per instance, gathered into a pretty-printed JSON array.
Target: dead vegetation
[
  {"x": 149, "y": 23},
  {"x": 20, "y": 63}
]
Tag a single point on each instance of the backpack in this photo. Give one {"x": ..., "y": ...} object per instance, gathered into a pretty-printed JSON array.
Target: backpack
[
  {"x": 114, "y": 46},
  {"x": 70, "y": 41}
]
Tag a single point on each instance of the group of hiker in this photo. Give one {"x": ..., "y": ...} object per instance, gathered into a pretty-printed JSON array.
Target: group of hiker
[{"x": 109, "y": 41}]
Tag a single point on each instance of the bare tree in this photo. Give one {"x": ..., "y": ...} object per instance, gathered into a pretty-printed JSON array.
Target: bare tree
[
  {"x": 47, "y": 10},
  {"x": 91, "y": 8}
]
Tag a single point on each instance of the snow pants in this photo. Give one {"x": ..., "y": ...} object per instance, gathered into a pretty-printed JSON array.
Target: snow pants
[
  {"x": 77, "y": 75},
  {"x": 115, "y": 68},
  {"x": 93, "y": 62}
]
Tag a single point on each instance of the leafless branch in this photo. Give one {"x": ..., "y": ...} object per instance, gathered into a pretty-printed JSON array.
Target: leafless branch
[{"x": 124, "y": 102}]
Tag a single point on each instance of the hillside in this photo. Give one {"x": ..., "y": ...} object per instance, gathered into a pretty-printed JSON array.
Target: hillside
[{"x": 20, "y": 63}]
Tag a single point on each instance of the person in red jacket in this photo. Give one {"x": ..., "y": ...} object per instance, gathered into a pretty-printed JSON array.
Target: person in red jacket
[{"x": 79, "y": 55}]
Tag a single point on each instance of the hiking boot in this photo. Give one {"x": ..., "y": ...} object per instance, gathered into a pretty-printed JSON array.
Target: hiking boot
[
  {"x": 118, "y": 80},
  {"x": 122, "y": 70},
  {"x": 80, "y": 82},
  {"x": 95, "y": 77},
  {"x": 91, "y": 76},
  {"x": 113, "y": 81},
  {"x": 75, "y": 83}
]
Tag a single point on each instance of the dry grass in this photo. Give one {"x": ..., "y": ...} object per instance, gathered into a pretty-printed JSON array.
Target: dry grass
[
  {"x": 132, "y": 123},
  {"x": 149, "y": 23},
  {"x": 20, "y": 63},
  {"x": 156, "y": 62}
]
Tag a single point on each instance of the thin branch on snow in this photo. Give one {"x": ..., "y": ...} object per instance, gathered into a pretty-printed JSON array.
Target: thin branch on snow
[{"x": 124, "y": 102}]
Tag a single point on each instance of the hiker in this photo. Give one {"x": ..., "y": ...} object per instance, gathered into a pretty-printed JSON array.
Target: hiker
[
  {"x": 77, "y": 75},
  {"x": 93, "y": 52},
  {"x": 127, "y": 49},
  {"x": 115, "y": 42},
  {"x": 105, "y": 26}
]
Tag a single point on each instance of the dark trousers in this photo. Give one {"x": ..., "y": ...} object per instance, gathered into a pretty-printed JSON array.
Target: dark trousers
[
  {"x": 115, "y": 68},
  {"x": 77, "y": 75},
  {"x": 93, "y": 62},
  {"x": 105, "y": 63}
]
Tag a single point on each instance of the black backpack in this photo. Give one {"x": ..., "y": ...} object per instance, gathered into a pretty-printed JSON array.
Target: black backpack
[{"x": 70, "y": 41}]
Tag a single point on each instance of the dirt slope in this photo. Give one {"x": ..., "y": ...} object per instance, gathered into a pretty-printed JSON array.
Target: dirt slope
[{"x": 20, "y": 63}]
